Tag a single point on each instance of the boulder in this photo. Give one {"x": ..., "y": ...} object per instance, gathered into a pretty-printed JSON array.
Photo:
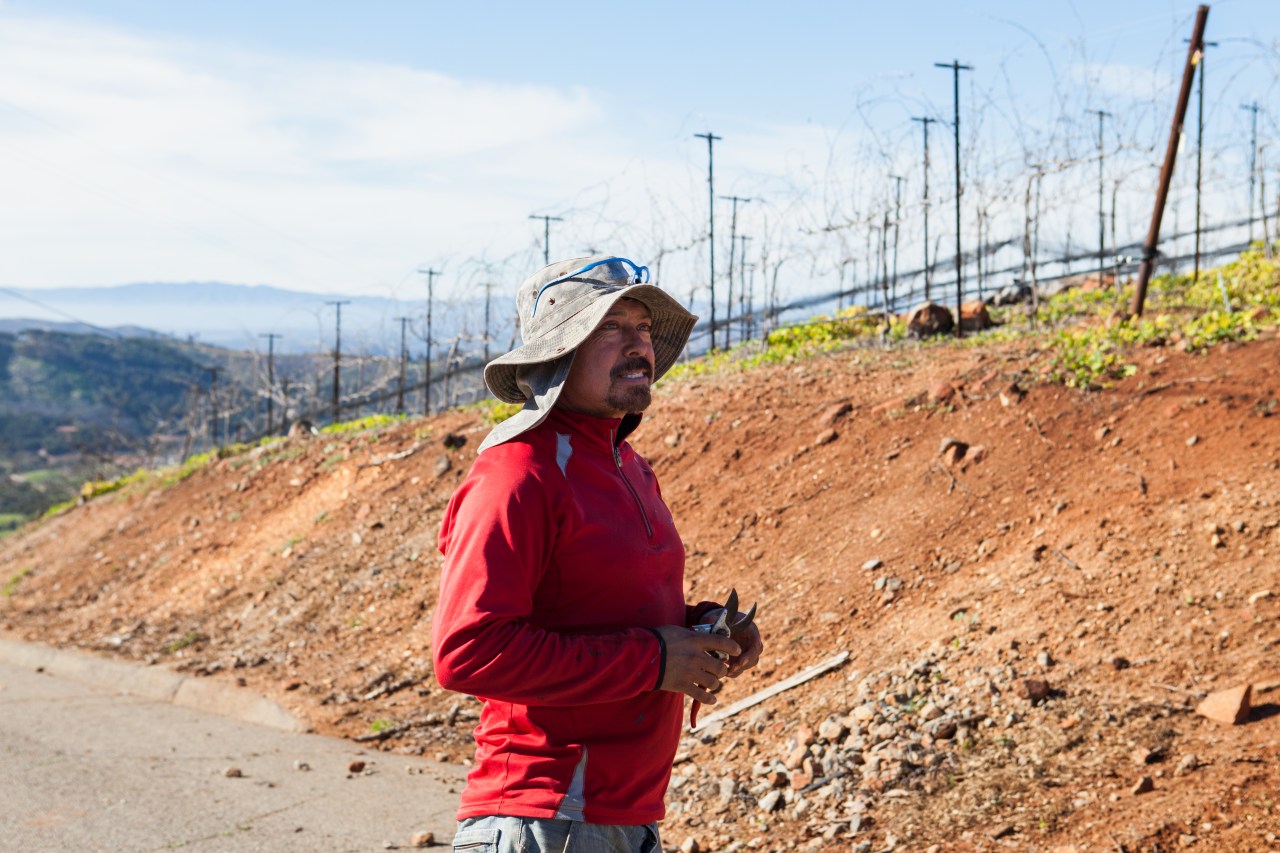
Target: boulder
[
  {"x": 928, "y": 319},
  {"x": 1230, "y": 706},
  {"x": 833, "y": 413},
  {"x": 1032, "y": 689},
  {"x": 974, "y": 316},
  {"x": 952, "y": 450},
  {"x": 942, "y": 392},
  {"x": 825, "y": 437}
]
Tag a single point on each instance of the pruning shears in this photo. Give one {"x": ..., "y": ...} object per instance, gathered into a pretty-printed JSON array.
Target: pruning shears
[{"x": 730, "y": 623}]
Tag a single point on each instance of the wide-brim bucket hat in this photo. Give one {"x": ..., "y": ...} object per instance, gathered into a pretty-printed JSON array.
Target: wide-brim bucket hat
[
  {"x": 559, "y": 306},
  {"x": 563, "y": 302}
]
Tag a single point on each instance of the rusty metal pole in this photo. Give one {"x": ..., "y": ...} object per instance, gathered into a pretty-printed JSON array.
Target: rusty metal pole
[{"x": 1194, "y": 51}]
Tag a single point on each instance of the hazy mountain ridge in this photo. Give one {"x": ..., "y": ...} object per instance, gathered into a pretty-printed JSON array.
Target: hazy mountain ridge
[{"x": 234, "y": 316}]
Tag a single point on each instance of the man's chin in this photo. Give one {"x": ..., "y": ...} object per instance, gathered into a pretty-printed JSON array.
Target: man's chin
[{"x": 633, "y": 400}]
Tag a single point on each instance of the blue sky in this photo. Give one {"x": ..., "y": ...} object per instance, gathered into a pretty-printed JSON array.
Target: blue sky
[{"x": 338, "y": 147}]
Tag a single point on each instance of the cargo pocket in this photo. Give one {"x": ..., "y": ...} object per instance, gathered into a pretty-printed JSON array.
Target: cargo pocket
[{"x": 480, "y": 840}]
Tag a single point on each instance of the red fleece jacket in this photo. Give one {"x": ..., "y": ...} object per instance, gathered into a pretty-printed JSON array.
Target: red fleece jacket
[{"x": 560, "y": 555}]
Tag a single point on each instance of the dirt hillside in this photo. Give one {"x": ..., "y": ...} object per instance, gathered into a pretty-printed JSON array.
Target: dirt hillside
[{"x": 1035, "y": 587}]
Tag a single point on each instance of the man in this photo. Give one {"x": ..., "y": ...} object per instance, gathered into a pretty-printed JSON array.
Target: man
[{"x": 561, "y": 601}]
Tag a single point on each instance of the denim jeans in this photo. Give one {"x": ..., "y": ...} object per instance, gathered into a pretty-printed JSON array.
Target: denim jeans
[{"x": 497, "y": 834}]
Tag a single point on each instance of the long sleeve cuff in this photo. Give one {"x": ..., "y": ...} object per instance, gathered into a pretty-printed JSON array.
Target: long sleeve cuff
[{"x": 662, "y": 658}]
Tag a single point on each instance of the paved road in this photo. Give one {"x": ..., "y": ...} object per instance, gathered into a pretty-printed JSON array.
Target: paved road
[{"x": 86, "y": 768}]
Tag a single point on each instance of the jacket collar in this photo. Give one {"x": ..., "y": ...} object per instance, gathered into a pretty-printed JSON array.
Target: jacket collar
[{"x": 605, "y": 432}]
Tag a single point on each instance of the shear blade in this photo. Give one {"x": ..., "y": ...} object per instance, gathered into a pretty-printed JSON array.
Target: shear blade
[{"x": 742, "y": 621}]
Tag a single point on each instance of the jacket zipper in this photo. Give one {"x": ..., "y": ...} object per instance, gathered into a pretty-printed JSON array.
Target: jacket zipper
[{"x": 617, "y": 461}]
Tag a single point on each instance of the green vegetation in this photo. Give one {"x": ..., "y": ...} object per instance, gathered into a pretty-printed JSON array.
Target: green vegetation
[
  {"x": 381, "y": 725},
  {"x": 333, "y": 460},
  {"x": 495, "y": 411},
  {"x": 362, "y": 424},
  {"x": 59, "y": 507},
  {"x": 93, "y": 488},
  {"x": 167, "y": 476},
  {"x": 1091, "y": 346},
  {"x": 284, "y": 454},
  {"x": 194, "y": 463},
  {"x": 819, "y": 335},
  {"x": 1089, "y": 337},
  {"x": 11, "y": 585},
  {"x": 187, "y": 639},
  {"x": 11, "y": 521}
]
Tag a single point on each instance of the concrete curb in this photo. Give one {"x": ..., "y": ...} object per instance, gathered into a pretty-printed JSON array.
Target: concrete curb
[{"x": 153, "y": 682}]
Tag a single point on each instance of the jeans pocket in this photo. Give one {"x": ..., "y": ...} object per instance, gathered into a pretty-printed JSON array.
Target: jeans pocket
[
  {"x": 479, "y": 840},
  {"x": 653, "y": 844}
]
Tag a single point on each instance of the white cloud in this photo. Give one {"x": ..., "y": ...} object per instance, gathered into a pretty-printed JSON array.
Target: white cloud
[{"x": 140, "y": 159}]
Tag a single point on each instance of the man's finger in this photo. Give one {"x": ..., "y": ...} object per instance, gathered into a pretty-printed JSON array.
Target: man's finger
[
  {"x": 740, "y": 666},
  {"x": 717, "y": 643}
]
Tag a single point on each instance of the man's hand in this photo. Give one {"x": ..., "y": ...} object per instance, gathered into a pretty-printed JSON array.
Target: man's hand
[
  {"x": 749, "y": 640},
  {"x": 691, "y": 670}
]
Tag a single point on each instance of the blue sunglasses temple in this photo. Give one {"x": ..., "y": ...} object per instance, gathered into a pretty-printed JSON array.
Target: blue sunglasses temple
[{"x": 639, "y": 275}]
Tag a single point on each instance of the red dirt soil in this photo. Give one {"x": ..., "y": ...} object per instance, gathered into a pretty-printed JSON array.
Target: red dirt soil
[{"x": 1029, "y": 627}]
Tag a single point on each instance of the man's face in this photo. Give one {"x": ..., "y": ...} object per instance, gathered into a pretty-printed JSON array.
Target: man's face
[{"x": 613, "y": 367}]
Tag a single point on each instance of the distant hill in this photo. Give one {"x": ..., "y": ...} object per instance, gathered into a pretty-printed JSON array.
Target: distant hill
[
  {"x": 123, "y": 387},
  {"x": 14, "y": 325},
  {"x": 230, "y": 315},
  {"x": 83, "y": 404},
  {"x": 78, "y": 405}
]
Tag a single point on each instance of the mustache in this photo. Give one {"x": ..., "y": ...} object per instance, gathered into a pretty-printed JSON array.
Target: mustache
[{"x": 631, "y": 364}]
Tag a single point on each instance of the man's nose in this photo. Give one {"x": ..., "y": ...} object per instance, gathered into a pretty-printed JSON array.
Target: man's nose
[{"x": 638, "y": 344}]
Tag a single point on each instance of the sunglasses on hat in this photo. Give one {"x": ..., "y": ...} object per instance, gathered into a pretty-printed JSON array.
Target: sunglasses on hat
[{"x": 639, "y": 275}]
